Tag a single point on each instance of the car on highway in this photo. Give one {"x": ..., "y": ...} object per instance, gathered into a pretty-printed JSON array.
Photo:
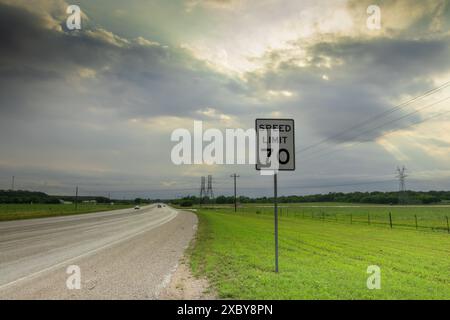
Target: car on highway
[
  {"x": 159, "y": 206},
  {"x": 137, "y": 208}
]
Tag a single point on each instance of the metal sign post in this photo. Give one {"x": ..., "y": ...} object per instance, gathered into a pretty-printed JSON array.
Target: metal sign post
[
  {"x": 275, "y": 151},
  {"x": 275, "y": 206}
]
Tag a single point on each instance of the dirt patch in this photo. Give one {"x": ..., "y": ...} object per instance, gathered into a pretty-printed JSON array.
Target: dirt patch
[{"x": 184, "y": 286}]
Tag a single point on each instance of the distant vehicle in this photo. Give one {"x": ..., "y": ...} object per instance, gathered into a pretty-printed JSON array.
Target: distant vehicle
[
  {"x": 137, "y": 208},
  {"x": 159, "y": 206}
]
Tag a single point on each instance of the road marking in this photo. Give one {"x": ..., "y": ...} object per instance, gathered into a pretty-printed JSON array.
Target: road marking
[{"x": 60, "y": 264}]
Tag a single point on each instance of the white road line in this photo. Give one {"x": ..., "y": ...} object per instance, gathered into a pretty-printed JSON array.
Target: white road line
[{"x": 60, "y": 264}]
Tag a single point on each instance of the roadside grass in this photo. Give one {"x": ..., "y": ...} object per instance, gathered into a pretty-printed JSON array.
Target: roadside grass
[
  {"x": 317, "y": 260},
  {"x": 30, "y": 211},
  {"x": 429, "y": 217}
]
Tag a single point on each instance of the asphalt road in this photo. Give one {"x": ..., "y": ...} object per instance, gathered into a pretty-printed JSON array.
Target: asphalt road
[{"x": 123, "y": 254}]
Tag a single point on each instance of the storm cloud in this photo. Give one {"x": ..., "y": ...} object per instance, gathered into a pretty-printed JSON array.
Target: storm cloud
[{"x": 97, "y": 107}]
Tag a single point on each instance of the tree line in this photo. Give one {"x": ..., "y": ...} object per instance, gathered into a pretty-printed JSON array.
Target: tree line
[
  {"x": 376, "y": 197},
  {"x": 27, "y": 197}
]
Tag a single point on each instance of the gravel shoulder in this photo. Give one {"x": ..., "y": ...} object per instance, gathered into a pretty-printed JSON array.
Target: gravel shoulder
[
  {"x": 184, "y": 286},
  {"x": 138, "y": 268}
]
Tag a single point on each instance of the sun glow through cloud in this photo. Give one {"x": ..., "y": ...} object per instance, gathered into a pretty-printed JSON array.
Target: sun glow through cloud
[{"x": 121, "y": 84}]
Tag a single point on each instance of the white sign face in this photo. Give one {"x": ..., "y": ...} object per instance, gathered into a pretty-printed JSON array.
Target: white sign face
[{"x": 275, "y": 144}]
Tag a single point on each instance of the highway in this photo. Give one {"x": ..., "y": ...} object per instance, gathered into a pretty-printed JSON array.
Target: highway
[{"x": 122, "y": 254}]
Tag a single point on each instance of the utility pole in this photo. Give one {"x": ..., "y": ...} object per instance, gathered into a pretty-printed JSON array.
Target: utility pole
[
  {"x": 12, "y": 183},
  {"x": 76, "y": 198},
  {"x": 401, "y": 175},
  {"x": 235, "y": 199}
]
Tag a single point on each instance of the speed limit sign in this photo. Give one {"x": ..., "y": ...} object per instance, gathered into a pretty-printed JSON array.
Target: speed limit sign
[
  {"x": 275, "y": 151},
  {"x": 275, "y": 144}
]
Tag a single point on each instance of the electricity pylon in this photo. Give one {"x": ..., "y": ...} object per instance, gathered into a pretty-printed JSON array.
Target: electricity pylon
[
  {"x": 401, "y": 175},
  {"x": 209, "y": 190},
  {"x": 202, "y": 189}
]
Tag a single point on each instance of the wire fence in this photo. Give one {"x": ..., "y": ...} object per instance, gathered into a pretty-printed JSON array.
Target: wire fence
[{"x": 388, "y": 219}]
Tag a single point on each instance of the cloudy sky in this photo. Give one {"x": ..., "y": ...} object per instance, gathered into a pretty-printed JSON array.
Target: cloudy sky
[{"x": 96, "y": 107}]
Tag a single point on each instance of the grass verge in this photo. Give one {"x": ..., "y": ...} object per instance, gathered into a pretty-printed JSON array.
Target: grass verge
[
  {"x": 317, "y": 260},
  {"x": 30, "y": 211}
]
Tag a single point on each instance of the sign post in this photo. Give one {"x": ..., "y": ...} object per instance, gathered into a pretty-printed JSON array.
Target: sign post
[
  {"x": 275, "y": 208},
  {"x": 275, "y": 151}
]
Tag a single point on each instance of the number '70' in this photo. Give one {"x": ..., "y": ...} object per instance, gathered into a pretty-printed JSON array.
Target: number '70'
[{"x": 280, "y": 151}]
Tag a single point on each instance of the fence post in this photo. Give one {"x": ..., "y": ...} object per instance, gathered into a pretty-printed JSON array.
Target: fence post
[
  {"x": 323, "y": 216},
  {"x": 415, "y": 216},
  {"x": 448, "y": 227},
  {"x": 351, "y": 218},
  {"x": 390, "y": 219}
]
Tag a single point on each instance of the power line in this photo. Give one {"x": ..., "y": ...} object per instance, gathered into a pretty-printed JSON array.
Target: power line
[
  {"x": 389, "y": 122},
  {"x": 312, "y": 186},
  {"x": 349, "y": 184},
  {"x": 317, "y": 153},
  {"x": 385, "y": 134},
  {"x": 378, "y": 116},
  {"x": 256, "y": 187}
]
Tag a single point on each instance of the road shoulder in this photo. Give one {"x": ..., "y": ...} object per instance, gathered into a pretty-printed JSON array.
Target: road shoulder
[
  {"x": 184, "y": 285},
  {"x": 138, "y": 268}
]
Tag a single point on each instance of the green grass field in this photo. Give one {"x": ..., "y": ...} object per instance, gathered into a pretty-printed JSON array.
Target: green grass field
[
  {"x": 318, "y": 260},
  {"x": 29, "y": 211},
  {"x": 429, "y": 218}
]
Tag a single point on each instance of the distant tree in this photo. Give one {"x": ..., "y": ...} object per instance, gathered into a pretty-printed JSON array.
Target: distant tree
[{"x": 186, "y": 203}]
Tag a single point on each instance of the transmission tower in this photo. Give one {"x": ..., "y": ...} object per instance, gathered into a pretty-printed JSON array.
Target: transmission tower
[
  {"x": 401, "y": 175},
  {"x": 209, "y": 191},
  {"x": 202, "y": 189}
]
